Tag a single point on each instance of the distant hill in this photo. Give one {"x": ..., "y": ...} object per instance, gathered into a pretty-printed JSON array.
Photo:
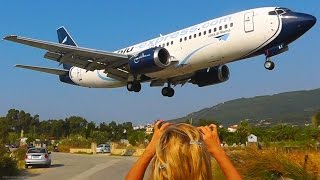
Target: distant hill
[{"x": 291, "y": 107}]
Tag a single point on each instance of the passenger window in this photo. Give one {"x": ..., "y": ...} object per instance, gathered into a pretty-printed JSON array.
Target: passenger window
[
  {"x": 180, "y": 39},
  {"x": 199, "y": 33},
  {"x": 215, "y": 29},
  {"x": 226, "y": 26},
  {"x": 209, "y": 31},
  {"x": 231, "y": 25},
  {"x": 185, "y": 38},
  {"x": 205, "y": 32},
  {"x": 171, "y": 42},
  {"x": 190, "y": 37},
  {"x": 220, "y": 28},
  {"x": 195, "y": 35},
  {"x": 163, "y": 45},
  {"x": 168, "y": 43}
]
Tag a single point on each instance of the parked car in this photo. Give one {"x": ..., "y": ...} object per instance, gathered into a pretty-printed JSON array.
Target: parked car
[
  {"x": 103, "y": 148},
  {"x": 38, "y": 156}
]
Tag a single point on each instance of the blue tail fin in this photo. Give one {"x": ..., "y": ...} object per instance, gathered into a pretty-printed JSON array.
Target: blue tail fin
[{"x": 65, "y": 38}]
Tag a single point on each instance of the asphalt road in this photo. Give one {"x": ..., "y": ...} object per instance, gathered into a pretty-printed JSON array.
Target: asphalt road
[{"x": 79, "y": 166}]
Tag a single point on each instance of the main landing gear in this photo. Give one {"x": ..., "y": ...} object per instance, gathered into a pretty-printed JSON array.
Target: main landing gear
[
  {"x": 167, "y": 91},
  {"x": 134, "y": 86},
  {"x": 269, "y": 64}
]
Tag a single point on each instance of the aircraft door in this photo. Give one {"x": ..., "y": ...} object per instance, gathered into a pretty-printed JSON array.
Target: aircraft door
[{"x": 248, "y": 22}]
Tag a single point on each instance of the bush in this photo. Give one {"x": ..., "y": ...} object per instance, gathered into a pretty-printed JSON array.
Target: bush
[
  {"x": 255, "y": 164},
  {"x": 74, "y": 141},
  {"x": 20, "y": 153},
  {"x": 8, "y": 166}
]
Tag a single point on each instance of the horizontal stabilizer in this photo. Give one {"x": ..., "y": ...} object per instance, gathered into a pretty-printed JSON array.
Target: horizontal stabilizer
[{"x": 45, "y": 70}]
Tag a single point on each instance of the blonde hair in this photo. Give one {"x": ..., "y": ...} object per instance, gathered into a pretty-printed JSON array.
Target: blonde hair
[{"x": 181, "y": 154}]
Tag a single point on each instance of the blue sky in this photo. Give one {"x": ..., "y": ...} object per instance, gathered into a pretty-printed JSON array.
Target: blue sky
[{"x": 111, "y": 25}]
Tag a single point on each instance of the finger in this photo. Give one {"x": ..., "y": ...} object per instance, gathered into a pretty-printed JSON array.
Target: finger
[
  {"x": 214, "y": 128},
  {"x": 157, "y": 124},
  {"x": 165, "y": 125},
  {"x": 204, "y": 130},
  {"x": 208, "y": 128}
]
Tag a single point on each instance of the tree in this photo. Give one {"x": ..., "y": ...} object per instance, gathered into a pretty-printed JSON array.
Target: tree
[
  {"x": 12, "y": 117},
  {"x": 315, "y": 121},
  {"x": 4, "y": 130},
  {"x": 203, "y": 122},
  {"x": 76, "y": 125},
  {"x": 90, "y": 129},
  {"x": 137, "y": 137},
  {"x": 243, "y": 131}
]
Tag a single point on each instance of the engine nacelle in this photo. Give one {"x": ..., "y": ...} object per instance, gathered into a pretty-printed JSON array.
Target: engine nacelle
[
  {"x": 150, "y": 60},
  {"x": 211, "y": 76}
]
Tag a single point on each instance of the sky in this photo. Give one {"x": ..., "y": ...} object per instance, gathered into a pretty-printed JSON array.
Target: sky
[{"x": 111, "y": 25}]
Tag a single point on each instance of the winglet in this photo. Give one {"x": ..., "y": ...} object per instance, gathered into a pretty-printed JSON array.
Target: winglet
[{"x": 10, "y": 37}]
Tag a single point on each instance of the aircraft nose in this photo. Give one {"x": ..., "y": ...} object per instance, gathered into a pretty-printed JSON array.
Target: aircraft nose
[{"x": 305, "y": 22}]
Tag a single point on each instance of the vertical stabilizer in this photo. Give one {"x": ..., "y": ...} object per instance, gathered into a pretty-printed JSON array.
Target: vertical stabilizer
[{"x": 65, "y": 38}]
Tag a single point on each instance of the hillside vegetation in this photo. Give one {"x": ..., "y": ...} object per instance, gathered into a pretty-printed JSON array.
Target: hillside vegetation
[{"x": 291, "y": 107}]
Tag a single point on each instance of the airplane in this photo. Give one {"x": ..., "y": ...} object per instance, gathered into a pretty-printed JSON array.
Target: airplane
[{"x": 197, "y": 54}]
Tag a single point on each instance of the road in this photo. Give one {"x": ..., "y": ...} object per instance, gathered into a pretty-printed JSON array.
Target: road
[{"x": 80, "y": 166}]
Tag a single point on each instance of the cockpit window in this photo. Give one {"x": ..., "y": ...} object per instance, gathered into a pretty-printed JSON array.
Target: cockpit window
[
  {"x": 272, "y": 13},
  {"x": 279, "y": 11},
  {"x": 285, "y": 9}
]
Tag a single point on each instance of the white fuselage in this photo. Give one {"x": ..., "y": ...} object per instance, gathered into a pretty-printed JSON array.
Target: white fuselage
[{"x": 211, "y": 43}]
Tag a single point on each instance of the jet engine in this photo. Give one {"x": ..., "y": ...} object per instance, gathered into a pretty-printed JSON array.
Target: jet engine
[
  {"x": 149, "y": 61},
  {"x": 211, "y": 76}
]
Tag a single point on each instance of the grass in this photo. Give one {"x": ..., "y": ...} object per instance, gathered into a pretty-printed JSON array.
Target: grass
[{"x": 269, "y": 164}]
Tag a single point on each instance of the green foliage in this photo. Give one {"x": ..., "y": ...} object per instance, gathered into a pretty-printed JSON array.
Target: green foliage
[
  {"x": 13, "y": 137},
  {"x": 20, "y": 153},
  {"x": 292, "y": 107},
  {"x": 4, "y": 130},
  {"x": 255, "y": 164},
  {"x": 76, "y": 141},
  {"x": 8, "y": 166},
  {"x": 137, "y": 137},
  {"x": 100, "y": 137},
  {"x": 315, "y": 121},
  {"x": 204, "y": 122}
]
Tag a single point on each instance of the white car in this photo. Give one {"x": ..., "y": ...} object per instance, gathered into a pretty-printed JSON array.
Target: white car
[
  {"x": 38, "y": 156},
  {"x": 103, "y": 148}
]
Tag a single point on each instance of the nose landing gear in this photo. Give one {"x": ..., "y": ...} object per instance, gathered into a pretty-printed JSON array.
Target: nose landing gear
[{"x": 269, "y": 65}]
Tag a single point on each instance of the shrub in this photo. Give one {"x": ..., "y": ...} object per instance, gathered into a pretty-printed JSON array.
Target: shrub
[
  {"x": 8, "y": 166},
  {"x": 20, "y": 153},
  {"x": 255, "y": 164},
  {"x": 76, "y": 141}
]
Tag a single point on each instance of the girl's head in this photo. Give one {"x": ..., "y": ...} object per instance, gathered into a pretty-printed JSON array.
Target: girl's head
[{"x": 181, "y": 154}]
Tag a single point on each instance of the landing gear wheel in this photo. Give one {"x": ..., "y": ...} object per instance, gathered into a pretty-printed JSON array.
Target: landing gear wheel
[
  {"x": 134, "y": 86},
  {"x": 137, "y": 87},
  {"x": 167, "y": 91},
  {"x": 171, "y": 92},
  {"x": 269, "y": 65}
]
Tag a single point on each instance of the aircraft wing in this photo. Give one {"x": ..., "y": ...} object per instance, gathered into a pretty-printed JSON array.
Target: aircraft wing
[
  {"x": 43, "y": 69},
  {"x": 89, "y": 59}
]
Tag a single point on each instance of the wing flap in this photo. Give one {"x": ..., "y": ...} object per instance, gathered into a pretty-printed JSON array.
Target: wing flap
[{"x": 43, "y": 69}]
